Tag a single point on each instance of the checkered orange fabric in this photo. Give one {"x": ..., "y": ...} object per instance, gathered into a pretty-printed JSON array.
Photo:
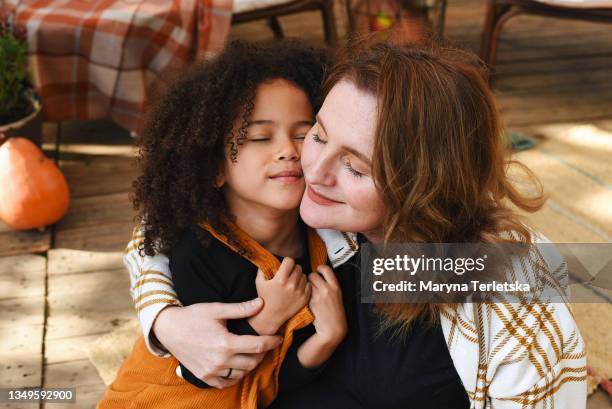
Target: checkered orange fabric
[{"x": 94, "y": 59}]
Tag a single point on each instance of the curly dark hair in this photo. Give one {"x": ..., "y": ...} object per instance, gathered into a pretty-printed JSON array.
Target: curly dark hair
[{"x": 182, "y": 147}]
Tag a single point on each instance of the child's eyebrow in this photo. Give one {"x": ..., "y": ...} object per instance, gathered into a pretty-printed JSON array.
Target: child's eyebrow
[
  {"x": 260, "y": 122},
  {"x": 270, "y": 122}
]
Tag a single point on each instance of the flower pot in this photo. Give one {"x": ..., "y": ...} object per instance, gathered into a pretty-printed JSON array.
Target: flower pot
[{"x": 30, "y": 126}]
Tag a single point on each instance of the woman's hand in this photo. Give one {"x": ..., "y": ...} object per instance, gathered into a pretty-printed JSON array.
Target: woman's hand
[
  {"x": 326, "y": 306},
  {"x": 284, "y": 295},
  {"x": 198, "y": 337}
]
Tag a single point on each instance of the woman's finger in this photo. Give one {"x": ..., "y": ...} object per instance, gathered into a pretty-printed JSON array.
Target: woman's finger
[
  {"x": 252, "y": 344},
  {"x": 235, "y": 374},
  {"x": 220, "y": 383},
  {"x": 244, "y": 362}
]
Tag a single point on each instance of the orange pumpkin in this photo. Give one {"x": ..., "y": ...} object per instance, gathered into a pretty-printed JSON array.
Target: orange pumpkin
[{"x": 33, "y": 191}]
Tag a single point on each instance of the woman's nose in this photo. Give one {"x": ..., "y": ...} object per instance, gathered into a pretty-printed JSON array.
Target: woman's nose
[{"x": 320, "y": 171}]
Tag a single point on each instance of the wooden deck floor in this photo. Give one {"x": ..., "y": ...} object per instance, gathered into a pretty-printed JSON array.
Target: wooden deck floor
[{"x": 61, "y": 288}]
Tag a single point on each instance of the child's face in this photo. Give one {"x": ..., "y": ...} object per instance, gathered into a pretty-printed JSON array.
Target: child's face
[{"x": 268, "y": 172}]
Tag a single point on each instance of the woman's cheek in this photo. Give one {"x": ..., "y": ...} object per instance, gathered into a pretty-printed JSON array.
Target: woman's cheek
[
  {"x": 308, "y": 151},
  {"x": 366, "y": 200}
]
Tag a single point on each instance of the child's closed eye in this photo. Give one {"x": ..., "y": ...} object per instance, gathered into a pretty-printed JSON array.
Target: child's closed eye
[{"x": 259, "y": 138}]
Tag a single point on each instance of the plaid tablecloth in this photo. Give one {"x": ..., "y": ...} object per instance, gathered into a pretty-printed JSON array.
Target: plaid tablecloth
[{"x": 94, "y": 59}]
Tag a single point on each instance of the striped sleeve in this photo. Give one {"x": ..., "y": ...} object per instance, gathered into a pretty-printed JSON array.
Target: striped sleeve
[{"x": 151, "y": 288}]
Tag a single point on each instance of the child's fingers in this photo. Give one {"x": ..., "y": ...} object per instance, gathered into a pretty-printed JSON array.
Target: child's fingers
[
  {"x": 329, "y": 276},
  {"x": 316, "y": 280},
  {"x": 303, "y": 282},
  {"x": 308, "y": 290},
  {"x": 285, "y": 269}
]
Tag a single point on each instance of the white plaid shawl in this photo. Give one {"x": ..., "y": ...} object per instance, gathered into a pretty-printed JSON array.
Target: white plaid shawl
[{"x": 519, "y": 356}]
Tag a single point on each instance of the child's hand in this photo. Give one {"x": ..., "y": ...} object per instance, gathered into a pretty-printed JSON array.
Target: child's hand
[
  {"x": 284, "y": 295},
  {"x": 326, "y": 305},
  {"x": 330, "y": 320}
]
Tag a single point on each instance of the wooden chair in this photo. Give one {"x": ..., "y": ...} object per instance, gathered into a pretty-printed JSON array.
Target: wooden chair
[
  {"x": 250, "y": 10},
  {"x": 500, "y": 11}
]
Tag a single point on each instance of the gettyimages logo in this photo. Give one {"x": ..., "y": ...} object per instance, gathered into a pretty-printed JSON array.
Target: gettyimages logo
[{"x": 477, "y": 272}]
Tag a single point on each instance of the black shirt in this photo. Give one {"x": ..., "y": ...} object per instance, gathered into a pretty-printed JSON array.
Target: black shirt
[
  {"x": 218, "y": 274},
  {"x": 381, "y": 370}
]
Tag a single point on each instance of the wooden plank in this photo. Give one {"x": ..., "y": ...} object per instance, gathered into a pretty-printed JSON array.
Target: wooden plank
[
  {"x": 87, "y": 397},
  {"x": 596, "y": 83},
  {"x": 89, "y": 282},
  {"x": 22, "y": 302},
  {"x": 553, "y": 107},
  {"x": 65, "y": 261},
  {"x": 579, "y": 66},
  {"x": 91, "y": 211},
  {"x": 88, "y": 313},
  {"x": 20, "y": 370},
  {"x": 101, "y": 223},
  {"x": 110, "y": 236},
  {"x": 67, "y": 324},
  {"x": 22, "y": 311},
  {"x": 68, "y": 349},
  {"x": 71, "y": 374},
  {"x": 22, "y": 276},
  {"x": 23, "y": 242},
  {"x": 94, "y": 176},
  {"x": 22, "y": 340}
]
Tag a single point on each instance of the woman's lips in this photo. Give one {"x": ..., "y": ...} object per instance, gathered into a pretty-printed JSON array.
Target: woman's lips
[{"x": 319, "y": 199}]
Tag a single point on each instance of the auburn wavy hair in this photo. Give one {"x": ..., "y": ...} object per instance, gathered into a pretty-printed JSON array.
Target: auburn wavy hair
[
  {"x": 439, "y": 158},
  {"x": 182, "y": 147}
]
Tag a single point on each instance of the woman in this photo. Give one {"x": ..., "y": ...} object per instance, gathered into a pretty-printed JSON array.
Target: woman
[{"x": 420, "y": 162}]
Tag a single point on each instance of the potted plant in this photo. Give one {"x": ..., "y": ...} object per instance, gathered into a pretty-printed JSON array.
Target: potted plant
[
  {"x": 33, "y": 191},
  {"x": 19, "y": 105}
]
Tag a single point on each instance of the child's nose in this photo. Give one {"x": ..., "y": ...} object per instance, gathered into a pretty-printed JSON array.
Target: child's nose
[{"x": 288, "y": 151}]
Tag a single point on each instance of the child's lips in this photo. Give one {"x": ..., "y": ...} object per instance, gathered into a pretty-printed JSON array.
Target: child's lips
[{"x": 287, "y": 176}]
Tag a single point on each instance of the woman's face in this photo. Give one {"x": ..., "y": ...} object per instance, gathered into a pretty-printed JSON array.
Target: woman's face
[{"x": 336, "y": 160}]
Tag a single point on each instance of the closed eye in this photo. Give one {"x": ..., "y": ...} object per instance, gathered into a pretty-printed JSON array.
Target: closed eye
[
  {"x": 352, "y": 171},
  {"x": 317, "y": 139}
]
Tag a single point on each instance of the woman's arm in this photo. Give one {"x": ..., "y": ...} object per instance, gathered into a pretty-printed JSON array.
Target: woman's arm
[
  {"x": 536, "y": 355},
  {"x": 182, "y": 331}
]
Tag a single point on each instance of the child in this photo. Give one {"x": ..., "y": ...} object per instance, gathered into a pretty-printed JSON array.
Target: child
[{"x": 220, "y": 190}]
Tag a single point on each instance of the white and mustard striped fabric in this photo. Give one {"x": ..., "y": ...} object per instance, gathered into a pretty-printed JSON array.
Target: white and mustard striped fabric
[
  {"x": 519, "y": 356},
  {"x": 151, "y": 287}
]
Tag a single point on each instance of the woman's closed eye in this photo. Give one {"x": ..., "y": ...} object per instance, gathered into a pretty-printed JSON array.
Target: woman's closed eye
[
  {"x": 317, "y": 139},
  {"x": 349, "y": 167}
]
